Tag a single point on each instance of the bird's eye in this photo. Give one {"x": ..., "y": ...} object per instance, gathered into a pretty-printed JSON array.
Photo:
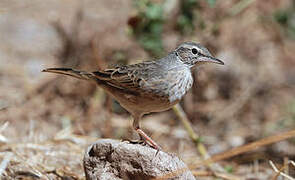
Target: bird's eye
[{"x": 195, "y": 51}]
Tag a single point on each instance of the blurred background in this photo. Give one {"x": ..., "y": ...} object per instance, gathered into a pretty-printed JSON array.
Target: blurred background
[{"x": 46, "y": 120}]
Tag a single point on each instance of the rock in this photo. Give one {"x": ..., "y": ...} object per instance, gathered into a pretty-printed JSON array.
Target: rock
[{"x": 112, "y": 159}]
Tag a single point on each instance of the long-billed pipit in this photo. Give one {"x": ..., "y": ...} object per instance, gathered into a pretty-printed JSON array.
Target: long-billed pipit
[{"x": 151, "y": 86}]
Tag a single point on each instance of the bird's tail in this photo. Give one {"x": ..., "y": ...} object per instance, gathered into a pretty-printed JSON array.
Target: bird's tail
[{"x": 71, "y": 72}]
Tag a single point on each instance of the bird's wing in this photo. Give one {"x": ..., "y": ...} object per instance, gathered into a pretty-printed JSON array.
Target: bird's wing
[{"x": 130, "y": 77}]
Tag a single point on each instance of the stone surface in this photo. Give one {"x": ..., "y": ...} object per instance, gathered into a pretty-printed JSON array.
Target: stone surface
[{"x": 113, "y": 159}]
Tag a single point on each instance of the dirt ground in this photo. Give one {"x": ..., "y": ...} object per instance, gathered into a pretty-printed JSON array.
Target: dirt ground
[{"x": 47, "y": 121}]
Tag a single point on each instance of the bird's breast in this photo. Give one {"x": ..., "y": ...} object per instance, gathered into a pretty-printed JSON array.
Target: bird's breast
[
  {"x": 179, "y": 84},
  {"x": 171, "y": 85}
]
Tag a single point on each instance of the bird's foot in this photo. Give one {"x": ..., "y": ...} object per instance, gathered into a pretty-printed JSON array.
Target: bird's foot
[
  {"x": 148, "y": 140},
  {"x": 134, "y": 141}
]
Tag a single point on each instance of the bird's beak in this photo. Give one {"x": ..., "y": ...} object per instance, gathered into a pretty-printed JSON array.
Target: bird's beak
[{"x": 210, "y": 59}]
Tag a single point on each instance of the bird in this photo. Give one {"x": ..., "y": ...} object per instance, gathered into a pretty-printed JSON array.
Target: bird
[{"x": 149, "y": 86}]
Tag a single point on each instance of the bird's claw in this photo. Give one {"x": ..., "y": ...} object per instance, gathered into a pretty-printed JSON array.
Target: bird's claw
[{"x": 133, "y": 141}]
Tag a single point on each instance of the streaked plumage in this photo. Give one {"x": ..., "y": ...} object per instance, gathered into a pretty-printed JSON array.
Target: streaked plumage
[{"x": 150, "y": 86}]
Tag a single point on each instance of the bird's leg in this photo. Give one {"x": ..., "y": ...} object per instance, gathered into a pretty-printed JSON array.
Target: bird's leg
[
  {"x": 143, "y": 135},
  {"x": 147, "y": 139}
]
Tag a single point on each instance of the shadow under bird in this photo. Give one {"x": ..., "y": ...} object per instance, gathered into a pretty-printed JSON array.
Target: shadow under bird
[{"x": 150, "y": 86}]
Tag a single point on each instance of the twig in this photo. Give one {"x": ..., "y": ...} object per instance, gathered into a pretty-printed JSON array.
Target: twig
[
  {"x": 248, "y": 147},
  {"x": 187, "y": 125},
  {"x": 225, "y": 176},
  {"x": 245, "y": 148},
  {"x": 279, "y": 171},
  {"x": 2, "y": 128},
  {"x": 195, "y": 138},
  {"x": 286, "y": 165},
  {"x": 5, "y": 162}
]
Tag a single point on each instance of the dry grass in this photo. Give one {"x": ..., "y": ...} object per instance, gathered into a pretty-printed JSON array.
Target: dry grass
[
  {"x": 48, "y": 121},
  {"x": 57, "y": 158}
]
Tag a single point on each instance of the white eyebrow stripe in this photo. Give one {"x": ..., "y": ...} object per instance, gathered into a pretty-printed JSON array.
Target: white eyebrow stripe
[{"x": 191, "y": 47}]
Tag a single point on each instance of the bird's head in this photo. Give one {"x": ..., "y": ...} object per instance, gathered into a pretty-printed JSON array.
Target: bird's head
[{"x": 194, "y": 54}]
